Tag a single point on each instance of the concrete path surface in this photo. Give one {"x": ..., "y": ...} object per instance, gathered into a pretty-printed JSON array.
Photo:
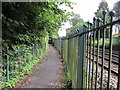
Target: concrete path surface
[{"x": 46, "y": 74}]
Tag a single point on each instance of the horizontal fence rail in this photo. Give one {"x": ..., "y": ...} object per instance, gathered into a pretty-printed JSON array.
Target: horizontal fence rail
[{"x": 91, "y": 62}]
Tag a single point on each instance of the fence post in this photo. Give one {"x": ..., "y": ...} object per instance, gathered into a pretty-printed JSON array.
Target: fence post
[
  {"x": 87, "y": 53},
  {"x": 110, "y": 50},
  {"x": 7, "y": 72},
  {"x": 80, "y": 78},
  {"x": 103, "y": 49},
  {"x": 97, "y": 58},
  {"x": 119, "y": 72},
  {"x": 90, "y": 56},
  {"x": 93, "y": 62},
  {"x": 1, "y": 66},
  {"x": 33, "y": 52},
  {"x": 68, "y": 50}
]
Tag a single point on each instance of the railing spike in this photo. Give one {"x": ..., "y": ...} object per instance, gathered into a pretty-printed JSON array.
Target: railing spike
[
  {"x": 98, "y": 19},
  {"x": 94, "y": 19},
  {"x": 104, "y": 12},
  {"x": 85, "y": 25},
  {"x": 90, "y": 24},
  {"x": 111, "y": 13}
]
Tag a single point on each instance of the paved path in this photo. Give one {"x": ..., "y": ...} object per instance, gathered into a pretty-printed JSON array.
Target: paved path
[{"x": 45, "y": 76}]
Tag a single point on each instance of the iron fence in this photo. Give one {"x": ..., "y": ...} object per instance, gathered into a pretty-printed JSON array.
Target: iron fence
[
  {"x": 90, "y": 60},
  {"x": 15, "y": 63}
]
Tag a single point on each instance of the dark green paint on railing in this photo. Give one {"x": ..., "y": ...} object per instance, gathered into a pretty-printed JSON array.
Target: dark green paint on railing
[{"x": 82, "y": 56}]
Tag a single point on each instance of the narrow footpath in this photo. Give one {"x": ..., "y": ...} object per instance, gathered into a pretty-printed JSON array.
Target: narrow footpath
[{"x": 47, "y": 73}]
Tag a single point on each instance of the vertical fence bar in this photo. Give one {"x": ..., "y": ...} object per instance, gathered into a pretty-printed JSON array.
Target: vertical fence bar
[
  {"x": 73, "y": 59},
  {"x": 80, "y": 59},
  {"x": 110, "y": 50},
  {"x": 7, "y": 72},
  {"x": 84, "y": 57},
  {"x": 103, "y": 48},
  {"x": 22, "y": 55},
  {"x": 1, "y": 64},
  {"x": 118, "y": 86},
  {"x": 68, "y": 51},
  {"x": 70, "y": 58},
  {"x": 3, "y": 67},
  {"x": 1, "y": 71},
  {"x": 98, "y": 36},
  {"x": 89, "y": 81},
  {"x": 87, "y": 58},
  {"x": 94, "y": 25},
  {"x": 62, "y": 46},
  {"x": 33, "y": 52},
  {"x": 85, "y": 27},
  {"x": 14, "y": 65}
]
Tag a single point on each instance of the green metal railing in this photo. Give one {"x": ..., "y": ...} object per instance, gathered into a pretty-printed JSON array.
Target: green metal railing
[
  {"x": 85, "y": 54},
  {"x": 16, "y": 63}
]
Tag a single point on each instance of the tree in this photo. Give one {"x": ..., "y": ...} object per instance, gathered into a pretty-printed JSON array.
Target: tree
[
  {"x": 26, "y": 28},
  {"x": 35, "y": 20},
  {"x": 75, "y": 19},
  {"x": 103, "y": 6},
  {"x": 73, "y": 29},
  {"x": 116, "y": 8}
]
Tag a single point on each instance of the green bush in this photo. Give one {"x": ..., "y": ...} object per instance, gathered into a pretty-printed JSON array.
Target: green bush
[{"x": 23, "y": 60}]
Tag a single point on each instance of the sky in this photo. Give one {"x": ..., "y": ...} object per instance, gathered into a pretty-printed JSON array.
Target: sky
[{"x": 86, "y": 9}]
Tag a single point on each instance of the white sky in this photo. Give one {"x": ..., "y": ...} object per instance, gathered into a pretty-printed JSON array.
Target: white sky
[{"x": 86, "y": 9}]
